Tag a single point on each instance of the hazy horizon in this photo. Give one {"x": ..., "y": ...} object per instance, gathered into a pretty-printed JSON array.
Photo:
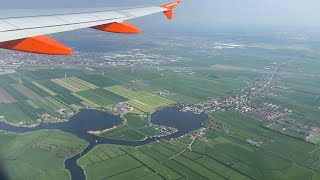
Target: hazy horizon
[{"x": 206, "y": 13}]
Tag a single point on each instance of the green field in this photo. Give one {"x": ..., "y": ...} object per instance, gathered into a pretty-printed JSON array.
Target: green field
[
  {"x": 98, "y": 80},
  {"x": 39, "y": 154},
  {"x": 111, "y": 162},
  {"x": 226, "y": 150},
  {"x": 74, "y": 84},
  {"x": 221, "y": 156},
  {"x": 187, "y": 88},
  {"x": 274, "y": 146},
  {"x": 18, "y": 112},
  {"x": 42, "y": 92},
  {"x": 102, "y": 97},
  {"x": 301, "y": 95},
  {"x": 192, "y": 89},
  {"x": 135, "y": 128},
  {"x": 141, "y": 100},
  {"x": 37, "y": 95}
]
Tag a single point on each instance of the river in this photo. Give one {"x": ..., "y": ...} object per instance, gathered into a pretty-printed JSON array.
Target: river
[{"x": 95, "y": 120}]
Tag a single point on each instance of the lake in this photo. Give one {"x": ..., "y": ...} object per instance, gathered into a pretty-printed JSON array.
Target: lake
[{"x": 95, "y": 120}]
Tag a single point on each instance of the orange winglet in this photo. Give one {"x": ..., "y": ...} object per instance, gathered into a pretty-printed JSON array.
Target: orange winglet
[
  {"x": 170, "y": 8},
  {"x": 121, "y": 27},
  {"x": 37, "y": 44}
]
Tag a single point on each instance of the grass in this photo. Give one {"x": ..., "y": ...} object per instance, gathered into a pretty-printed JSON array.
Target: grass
[
  {"x": 102, "y": 97},
  {"x": 55, "y": 103},
  {"x": 38, "y": 95},
  {"x": 68, "y": 99},
  {"x": 98, "y": 80},
  {"x": 5, "y": 97},
  {"x": 37, "y": 90},
  {"x": 278, "y": 151},
  {"x": 105, "y": 168},
  {"x": 54, "y": 87},
  {"x": 126, "y": 93},
  {"x": 135, "y": 162},
  {"x": 141, "y": 100},
  {"x": 140, "y": 105},
  {"x": 220, "y": 157},
  {"x": 219, "y": 168},
  {"x": 172, "y": 164},
  {"x": 85, "y": 101},
  {"x": 314, "y": 138},
  {"x": 226, "y": 156},
  {"x": 192, "y": 89},
  {"x": 14, "y": 93},
  {"x": 137, "y": 173},
  {"x": 135, "y": 128},
  {"x": 27, "y": 155},
  {"x": 153, "y": 164},
  {"x": 126, "y": 75},
  {"x": 74, "y": 84},
  {"x": 44, "y": 89},
  {"x": 100, "y": 153},
  {"x": 301, "y": 95},
  {"x": 6, "y": 79},
  {"x": 18, "y": 112}
]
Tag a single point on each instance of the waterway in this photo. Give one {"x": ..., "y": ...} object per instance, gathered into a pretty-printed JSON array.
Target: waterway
[{"x": 95, "y": 120}]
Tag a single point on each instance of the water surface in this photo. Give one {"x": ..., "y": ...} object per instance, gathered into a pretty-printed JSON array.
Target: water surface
[{"x": 95, "y": 120}]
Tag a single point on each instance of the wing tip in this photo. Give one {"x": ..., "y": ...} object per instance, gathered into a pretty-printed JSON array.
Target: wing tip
[{"x": 170, "y": 6}]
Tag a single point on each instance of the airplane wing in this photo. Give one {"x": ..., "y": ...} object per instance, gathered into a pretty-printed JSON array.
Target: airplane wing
[{"x": 27, "y": 33}]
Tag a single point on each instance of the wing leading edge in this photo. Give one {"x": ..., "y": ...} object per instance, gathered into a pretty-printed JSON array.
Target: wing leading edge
[{"x": 27, "y": 33}]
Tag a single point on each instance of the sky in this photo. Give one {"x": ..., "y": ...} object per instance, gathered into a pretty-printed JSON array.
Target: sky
[{"x": 205, "y": 14}]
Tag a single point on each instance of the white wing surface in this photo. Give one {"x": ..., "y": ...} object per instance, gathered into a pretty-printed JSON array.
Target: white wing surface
[{"x": 25, "y": 32}]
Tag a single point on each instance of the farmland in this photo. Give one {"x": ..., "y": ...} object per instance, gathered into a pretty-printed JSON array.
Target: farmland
[
  {"x": 37, "y": 95},
  {"x": 5, "y": 97},
  {"x": 135, "y": 128},
  {"x": 26, "y": 154},
  {"x": 187, "y": 88},
  {"x": 221, "y": 156},
  {"x": 229, "y": 146},
  {"x": 74, "y": 84},
  {"x": 102, "y": 97},
  {"x": 47, "y": 91},
  {"x": 227, "y": 150},
  {"x": 141, "y": 100},
  {"x": 301, "y": 94}
]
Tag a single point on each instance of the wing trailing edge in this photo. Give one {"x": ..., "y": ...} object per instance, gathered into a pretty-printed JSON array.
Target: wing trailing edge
[
  {"x": 116, "y": 27},
  {"x": 37, "y": 44}
]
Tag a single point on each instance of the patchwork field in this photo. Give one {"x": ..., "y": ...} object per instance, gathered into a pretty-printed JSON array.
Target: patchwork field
[
  {"x": 193, "y": 89},
  {"x": 7, "y": 79},
  {"x": 45, "y": 91},
  {"x": 102, "y": 97},
  {"x": 187, "y": 88},
  {"x": 37, "y": 95},
  {"x": 234, "y": 147},
  {"x": 74, "y": 84},
  {"x": 141, "y": 100},
  {"x": 276, "y": 149},
  {"x": 25, "y": 91},
  {"x": 5, "y": 97},
  {"x": 221, "y": 156}
]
